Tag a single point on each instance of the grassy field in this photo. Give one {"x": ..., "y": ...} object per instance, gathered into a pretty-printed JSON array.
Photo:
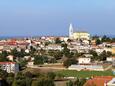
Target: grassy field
[{"x": 84, "y": 74}]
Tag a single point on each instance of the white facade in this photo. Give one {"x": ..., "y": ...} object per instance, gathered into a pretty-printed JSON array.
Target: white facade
[
  {"x": 10, "y": 57},
  {"x": 30, "y": 63},
  {"x": 78, "y": 35},
  {"x": 27, "y": 57},
  {"x": 99, "y": 50},
  {"x": 84, "y": 60},
  {"x": 111, "y": 83},
  {"x": 110, "y": 59},
  {"x": 54, "y": 47},
  {"x": 70, "y": 31},
  {"x": 86, "y": 67},
  {"x": 10, "y": 67},
  {"x": 81, "y": 35}
]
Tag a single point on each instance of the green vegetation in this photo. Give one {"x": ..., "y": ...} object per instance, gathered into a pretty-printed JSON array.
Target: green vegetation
[
  {"x": 84, "y": 74},
  {"x": 77, "y": 82},
  {"x": 69, "y": 62},
  {"x": 100, "y": 57},
  {"x": 57, "y": 41},
  {"x": 40, "y": 59},
  {"x": 103, "y": 39},
  {"x": 98, "y": 41},
  {"x": 27, "y": 79}
]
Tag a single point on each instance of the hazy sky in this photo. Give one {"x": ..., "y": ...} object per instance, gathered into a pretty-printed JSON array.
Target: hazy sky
[{"x": 52, "y": 17}]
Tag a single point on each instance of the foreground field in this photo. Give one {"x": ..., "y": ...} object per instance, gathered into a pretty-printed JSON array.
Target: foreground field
[{"x": 84, "y": 74}]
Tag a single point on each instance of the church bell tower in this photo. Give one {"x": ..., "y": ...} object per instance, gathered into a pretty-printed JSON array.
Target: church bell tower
[{"x": 70, "y": 31}]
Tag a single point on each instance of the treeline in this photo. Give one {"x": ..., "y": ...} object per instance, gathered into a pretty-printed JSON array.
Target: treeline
[
  {"x": 100, "y": 40},
  {"x": 27, "y": 79}
]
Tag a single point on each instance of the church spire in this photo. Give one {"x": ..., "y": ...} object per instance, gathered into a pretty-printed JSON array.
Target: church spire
[{"x": 70, "y": 30}]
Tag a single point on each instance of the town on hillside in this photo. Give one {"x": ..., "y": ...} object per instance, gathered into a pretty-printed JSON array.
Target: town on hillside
[{"x": 78, "y": 59}]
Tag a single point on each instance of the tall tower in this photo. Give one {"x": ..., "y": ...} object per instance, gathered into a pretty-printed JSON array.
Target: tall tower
[{"x": 70, "y": 31}]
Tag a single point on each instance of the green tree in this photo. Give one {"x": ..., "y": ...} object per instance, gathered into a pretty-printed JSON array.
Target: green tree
[
  {"x": 113, "y": 40},
  {"x": 108, "y": 53},
  {"x": 40, "y": 59},
  {"x": 4, "y": 54},
  {"x": 80, "y": 82},
  {"x": 66, "y": 52},
  {"x": 69, "y": 40},
  {"x": 28, "y": 76},
  {"x": 57, "y": 41},
  {"x": 3, "y": 59},
  {"x": 20, "y": 80},
  {"x": 64, "y": 45},
  {"x": 22, "y": 63},
  {"x": 45, "y": 82},
  {"x": 53, "y": 60},
  {"x": 98, "y": 41},
  {"x": 95, "y": 37},
  {"x": 103, "y": 56},
  {"x": 3, "y": 77},
  {"x": 15, "y": 53},
  {"x": 77, "y": 82},
  {"x": 106, "y": 39},
  {"x": 69, "y": 62},
  {"x": 95, "y": 55},
  {"x": 10, "y": 80},
  {"x": 70, "y": 83},
  {"x": 51, "y": 75},
  {"x": 3, "y": 74}
]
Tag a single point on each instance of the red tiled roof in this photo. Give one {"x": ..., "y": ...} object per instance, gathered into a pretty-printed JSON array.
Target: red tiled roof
[
  {"x": 7, "y": 62},
  {"x": 98, "y": 81},
  {"x": 113, "y": 57}
]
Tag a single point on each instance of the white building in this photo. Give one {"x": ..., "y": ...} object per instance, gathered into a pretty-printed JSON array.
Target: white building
[
  {"x": 27, "y": 50},
  {"x": 10, "y": 57},
  {"x": 54, "y": 47},
  {"x": 78, "y": 34},
  {"x": 111, "y": 83},
  {"x": 84, "y": 60},
  {"x": 31, "y": 63},
  {"x": 99, "y": 50},
  {"x": 109, "y": 59},
  {"x": 70, "y": 31},
  {"x": 86, "y": 67},
  {"x": 10, "y": 67}
]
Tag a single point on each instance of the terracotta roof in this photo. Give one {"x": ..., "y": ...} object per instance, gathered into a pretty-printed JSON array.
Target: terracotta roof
[
  {"x": 98, "y": 81},
  {"x": 7, "y": 62}
]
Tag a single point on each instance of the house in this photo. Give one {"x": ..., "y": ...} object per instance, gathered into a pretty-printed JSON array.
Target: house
[
  {"x": 10, "y": 57},
  {"x": 109, "y": 59},
  {"x": 99, "y": 81},
  {"x": 99, "y": 50},
  {"x": 111, "y": 83},
  {"x": 27, "y": 51},
  {"x": 27, "y": 57},
  {"x": 84, "y": 60},
  {"x": 108, "y": 49},
  {"x": 10, "y": 67},
  {"x": 81, "y": 35},
  {"x": 113, "y": 50},
  {"x": 88, "y": 55},
  {"x": 86, "y": 67},
  {"x": 30, "y": 63},
  {"x": 85, "y": 41},
  {"x": 54, "y": 47}
]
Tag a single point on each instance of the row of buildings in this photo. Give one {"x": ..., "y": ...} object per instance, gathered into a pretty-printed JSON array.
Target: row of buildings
[{"x": 80, "y": 41}]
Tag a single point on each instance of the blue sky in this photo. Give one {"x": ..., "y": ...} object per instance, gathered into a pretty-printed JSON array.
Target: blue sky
[{"x": 52, "y": 17}]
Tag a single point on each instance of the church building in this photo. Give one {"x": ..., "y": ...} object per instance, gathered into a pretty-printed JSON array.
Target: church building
[{"x": 78, "y": 35}]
